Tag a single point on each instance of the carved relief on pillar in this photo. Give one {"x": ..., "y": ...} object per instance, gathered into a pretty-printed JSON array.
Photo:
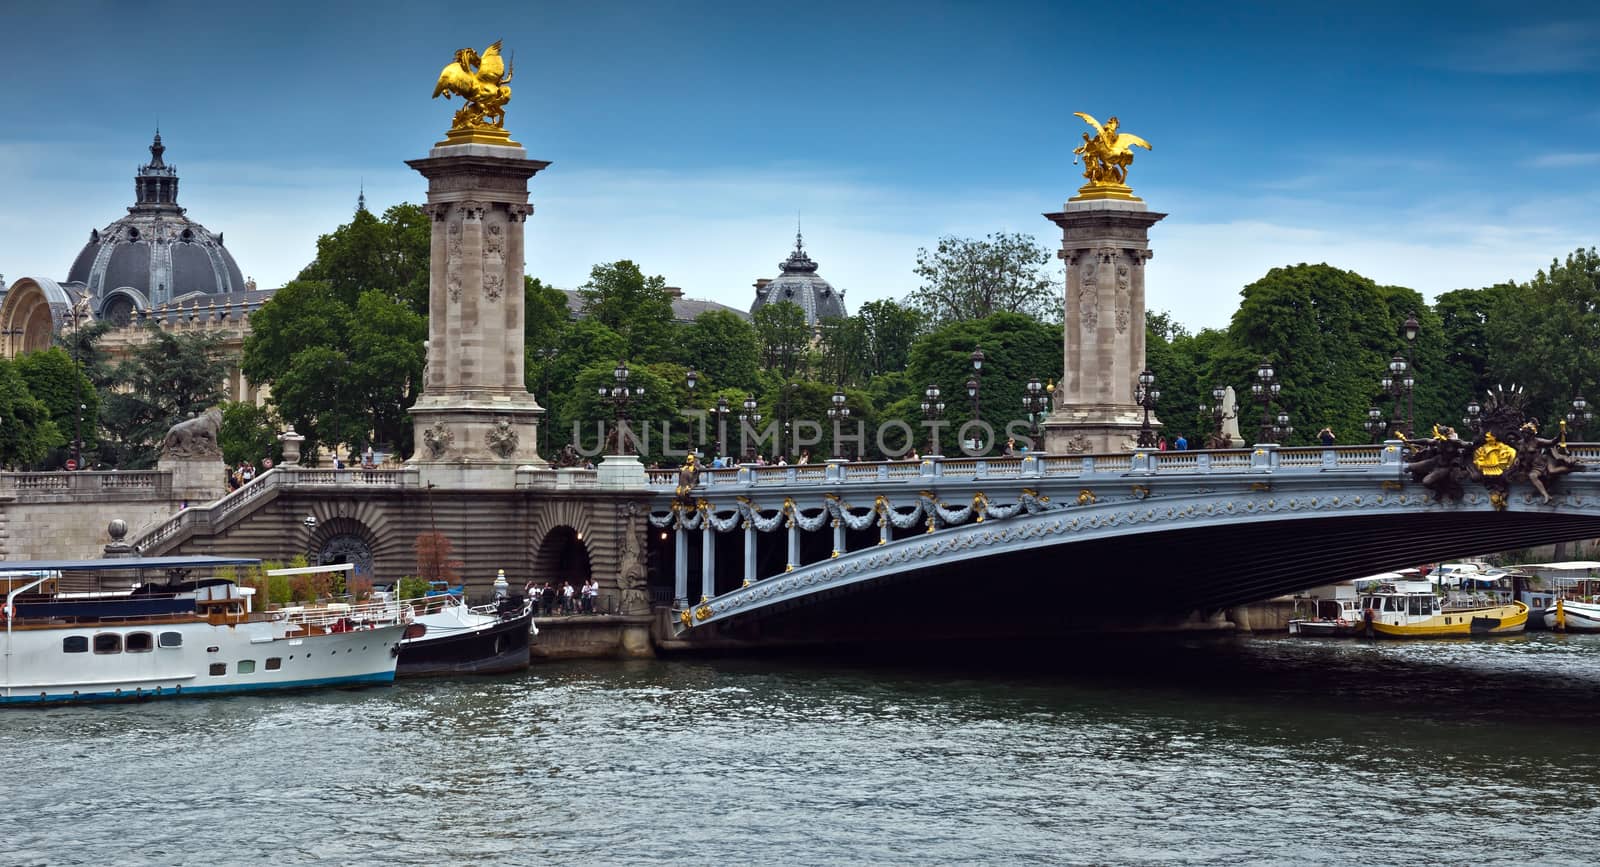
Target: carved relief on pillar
[
  {"x": 471, "y": 210},
  {"x": 494, "y": 257},
  {"x": 631, "y": 559},
  {"x": 502, "y": 438},
  {"x": 438, "y": 211},
  {"x": 438, "y": 438},
  {"x": 1089, "y": 295},
  {"x": 1124, "y": 303},
  {"x": 518, "y": 213},
  {"x": 452, "y": 274}
]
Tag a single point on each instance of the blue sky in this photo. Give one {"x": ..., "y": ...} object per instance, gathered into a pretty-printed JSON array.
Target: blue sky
[{"x": 1433, "y": 145}]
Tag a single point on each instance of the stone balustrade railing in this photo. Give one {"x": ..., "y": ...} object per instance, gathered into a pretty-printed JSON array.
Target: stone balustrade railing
[
  {"x": 549, "y": 479},
  {"x": 1261, "y": 459},
  {"x": 24, "y": 485}
]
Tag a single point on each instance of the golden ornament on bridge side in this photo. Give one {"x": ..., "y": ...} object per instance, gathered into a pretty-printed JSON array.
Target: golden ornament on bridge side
[
  {"x": 1106, "y": 157},
  {"x": 483, "y": 82}
]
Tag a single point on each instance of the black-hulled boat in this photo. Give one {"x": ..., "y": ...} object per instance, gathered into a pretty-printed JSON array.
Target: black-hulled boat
[{"x": 447, "y": 637}]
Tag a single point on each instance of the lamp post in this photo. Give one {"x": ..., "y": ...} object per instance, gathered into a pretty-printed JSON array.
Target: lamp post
[
  {"x": 1265, "y": 389},
  {"x": 1472, "y": 421},
  {"x": 692, "y": 379},
  {"x": 619, "y": 394},
  {"x": 838, "y": 413},
  {"x": 721, "y": 412},
  {"x": 1397, "y": 383},
  {"x": 1033, "y": 403},
  {"x": 975, "y": 389},
  {"x": 1215, "y": 410},
  {"x": 1146, "y": 395},
  {"x": 1281, "y": 427},
  {"x": 1374, "y": 423},
  {"x": 932, "y": 409},
  {"x": 749, "y": 418},
  {"x": 1579, "y": 416}
]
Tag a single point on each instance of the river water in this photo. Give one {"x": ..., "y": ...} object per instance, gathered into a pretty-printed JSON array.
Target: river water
[{"x": 1157, "y": 751}]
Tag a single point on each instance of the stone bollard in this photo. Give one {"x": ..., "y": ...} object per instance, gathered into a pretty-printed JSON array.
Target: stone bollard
[{"x": 291, "y": 445}]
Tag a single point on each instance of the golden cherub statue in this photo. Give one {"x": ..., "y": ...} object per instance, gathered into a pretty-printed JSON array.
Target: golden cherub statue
[
  {"x": 483, "y": 82},
  {"x": 1106, "y": 158}
]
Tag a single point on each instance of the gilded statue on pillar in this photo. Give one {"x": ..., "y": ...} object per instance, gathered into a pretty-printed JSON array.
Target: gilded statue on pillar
[
  {"x": 1107, "y": 155},
  {"x": 483, "y": 81}
]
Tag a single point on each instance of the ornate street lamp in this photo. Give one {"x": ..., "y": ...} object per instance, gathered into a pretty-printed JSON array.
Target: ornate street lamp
[
  {"x": 721, "y": 412},
  {"x": 837, "y": 413},
  {"x": 1579, "y": 416},
  {"x": 932, "y": 409},
  {"x": 749, "y": 418},
  {"x": 1146, "y": 395},
  {"x": 1473, "y": 420},
  {"x": 619, "y": 394},
  {"x": 692, "y": 379},
  {"x": 1033, "y": 403},
  {"x": 1281, "y": 427},
  {"x": 1265, "y": 390},
  {"x": 1215, "y": 410},
  {"x": 1398, "y": 383},
  {"x": 1374, "y": 423},
  {"x": 975, "y": 389}
]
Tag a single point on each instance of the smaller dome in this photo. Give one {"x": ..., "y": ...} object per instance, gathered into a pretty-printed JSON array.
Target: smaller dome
[{"x": 798, "y": 283}]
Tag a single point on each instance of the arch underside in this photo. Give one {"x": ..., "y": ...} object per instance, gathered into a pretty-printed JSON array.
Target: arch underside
[{"x": 1146, "y": 573}]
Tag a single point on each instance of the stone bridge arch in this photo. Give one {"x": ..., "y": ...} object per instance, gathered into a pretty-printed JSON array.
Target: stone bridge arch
[{"x": 343, "y": 539}]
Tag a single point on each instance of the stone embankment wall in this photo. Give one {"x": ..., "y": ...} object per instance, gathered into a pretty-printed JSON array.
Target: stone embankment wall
[{"x": 60, "y": 516}]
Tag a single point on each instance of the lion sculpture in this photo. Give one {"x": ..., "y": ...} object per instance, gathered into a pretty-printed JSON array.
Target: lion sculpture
[{"x": 195, "y": 437}]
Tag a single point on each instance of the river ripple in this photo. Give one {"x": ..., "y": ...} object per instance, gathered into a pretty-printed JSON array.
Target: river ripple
[{"x": 1202, "y": 751}]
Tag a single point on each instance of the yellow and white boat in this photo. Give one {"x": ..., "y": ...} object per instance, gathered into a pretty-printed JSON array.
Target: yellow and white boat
[{"x": 1411, "y": 609}]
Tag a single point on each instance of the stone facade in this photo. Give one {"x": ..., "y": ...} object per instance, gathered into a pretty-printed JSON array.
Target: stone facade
[
  {"x": 1105, "y": 244},
  {"x": 476, "y": 421}
]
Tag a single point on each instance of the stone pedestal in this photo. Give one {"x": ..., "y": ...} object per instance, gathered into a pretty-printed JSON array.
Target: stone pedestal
[
  {"x": 196, "y": 480},
  {"x": 475, "y": 422},
  {"x": 621, "y": 471},
  {"x": 1105, "y": 244}
]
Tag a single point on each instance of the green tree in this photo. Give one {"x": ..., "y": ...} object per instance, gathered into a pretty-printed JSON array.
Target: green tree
[
  {"x": 639, "y": 308},
  {"x": 784, "y": 336},
  {"x": 657, "y": 405},
  {"x": 888, "y": 330},
  {"x": 168, "y": 378},
  {"x": 1546, "y": 338},
  {"x": 389, "y": 255},
  {"x": 965, "y": 279},
  {"x": 249, "y": 433},
  {"x": 1015, "y": 347},
  {"x": 27, "y": 432},
  {"x": 723, "y": 348},
  {"x": 1465, "y": 318},
  {"x": 53, "y": 377}
]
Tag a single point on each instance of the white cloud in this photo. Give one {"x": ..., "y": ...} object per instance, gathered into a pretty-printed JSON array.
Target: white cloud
[{"x": 1565, "y": 160}]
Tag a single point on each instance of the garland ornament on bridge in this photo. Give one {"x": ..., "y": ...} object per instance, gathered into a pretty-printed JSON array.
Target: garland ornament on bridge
[{"x": 1506, "y": 451}]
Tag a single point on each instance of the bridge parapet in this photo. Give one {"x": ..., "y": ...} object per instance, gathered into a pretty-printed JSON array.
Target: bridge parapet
[{"x": 50, "y": 487}]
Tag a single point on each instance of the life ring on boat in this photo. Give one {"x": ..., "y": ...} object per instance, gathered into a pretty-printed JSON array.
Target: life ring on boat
[{"x": 1341, "y": 622}]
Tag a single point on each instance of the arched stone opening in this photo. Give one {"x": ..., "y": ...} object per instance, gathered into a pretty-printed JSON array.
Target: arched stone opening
[
  {"x": 343, "y": 540},
  {"x": 562, "y": 557}
]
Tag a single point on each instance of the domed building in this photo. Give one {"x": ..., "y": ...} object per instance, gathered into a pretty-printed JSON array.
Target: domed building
[
  {"x": 798, "y": 283},
  {"x": 155, "y": 255}
]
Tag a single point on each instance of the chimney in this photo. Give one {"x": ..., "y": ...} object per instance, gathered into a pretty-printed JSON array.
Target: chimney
[
  {"x": 675, "y": 292},
  {"x": 761, "y": 285}
]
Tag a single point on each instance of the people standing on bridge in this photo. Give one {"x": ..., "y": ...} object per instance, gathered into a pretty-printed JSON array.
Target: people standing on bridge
[
  {"x": 1180, "y": 443},
  {"x": 1011, "y": 447},
  {"x": 1326, "y": 436},
  {"x": 805, "y": 457},
  {"x": 1161, "y": 444}
]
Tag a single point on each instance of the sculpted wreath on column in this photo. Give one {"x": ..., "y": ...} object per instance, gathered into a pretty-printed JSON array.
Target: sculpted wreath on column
[
  {"x": 1124, "y": 298},
  {"x": 494, "y": 259},
  {"x": 1089, "y": 297},
  {"x": 453, "y": 270},
  {"x": 438, "y": 439}
]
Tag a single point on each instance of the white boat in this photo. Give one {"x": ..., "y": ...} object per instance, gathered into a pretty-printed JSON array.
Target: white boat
[
  {"x": 446, "y": 636},
  {"x": 1330, "y": 611},
  {"x": 179, "y": 637},
  {"x": 1576, "y": 608}
]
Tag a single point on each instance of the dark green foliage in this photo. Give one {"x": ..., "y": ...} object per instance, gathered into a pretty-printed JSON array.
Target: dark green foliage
[
  {"x": 1015, "y": 348},
  {"x": 638, "y": 308},
  {"x": 74, "y": 405},
  {"x": 26, "y": 431},
  {"x": 389, "y": 255},
  {"x": 170, "y": 378},
  {"x": 965, "y": 279},
  {"x": 1545, "y": 335},
  {"x": 785, "y": 337},
  {"x": 723, "y": 348},
  {"x": 249, "y": 433}
]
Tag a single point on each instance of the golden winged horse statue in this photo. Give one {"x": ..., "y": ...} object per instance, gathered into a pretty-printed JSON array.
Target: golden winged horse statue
[
  {"x": 1106, "y": 157},
  {"x": 483, "y": 82}
]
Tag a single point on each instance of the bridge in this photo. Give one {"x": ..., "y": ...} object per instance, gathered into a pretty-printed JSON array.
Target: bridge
[{"x": 1130, "y": 535}]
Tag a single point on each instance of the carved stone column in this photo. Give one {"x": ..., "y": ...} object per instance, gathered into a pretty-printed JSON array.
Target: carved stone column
[
  {"x": 1105, "y": 243},
  {"x": 476, "y": 421}
]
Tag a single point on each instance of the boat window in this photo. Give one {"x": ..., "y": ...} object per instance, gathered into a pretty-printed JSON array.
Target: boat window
[
  {"x": 172, "y": 639},
  {"x": 75, "y": 644},
  {"x": 219, "y": 669},
  {"x": 274, "y": 663},
  {"x": 108, "y": 642},
  {"x": 247, "y": 666},
  {"x": 1416, "y": 605},
  {"x": 139, "y": 642}
]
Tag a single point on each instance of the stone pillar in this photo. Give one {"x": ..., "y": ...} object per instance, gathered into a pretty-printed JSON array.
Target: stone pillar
[
  {"x": 749, "y": 553},
  {"x": 838, "y": 537},
  {"x": 708, "y": 561},
  {"x": 1105, "y": 243},
  {"x": 476, "y": 422},
  {"x": 794, "y": 547},
  {"x": 680, "y": 568}
]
